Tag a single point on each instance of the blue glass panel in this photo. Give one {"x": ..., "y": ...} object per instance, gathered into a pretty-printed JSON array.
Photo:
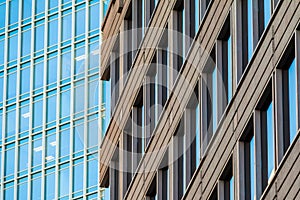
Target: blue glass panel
[
  {"x": 11, "y": 85},
  {"x": 78, "y": 138},
  {"x": 36, "y": 189},
  {"x": 270, "y": 139},
  {"x": 92, "y": 173},
  {"x": 79, "y": 60},
  {"x": 22, "y": 191},
  {"x": 80, "y": 22},
  {"x": 214, "y": 100},
  {"x": 78, "y": 177},
  {"x": 25, "y": 80},
  {"x": 198, "y": 147},
  {"x": 51, "y": 108},
  {"x": 37, "y": 150},
  {"x": 39, "y": 38},
  {"x": 64, "y": 182},
  {"x": 2, "y": 16},
  {"x": 13, "y": 48},
  {"x": 1, "y": 114},
  {"x": 105, "y": 7},
  {"x": 11, "y": 123},
  {"x": 26, "y": 42},
  {"x": 93, "y": 94},
  {"x": 79, "y": 99},
  {"x": 231, "y": 185},
  {"x": 53, "y": 32},
  {"x": 53, "y": 3},
  {"x": 24, "y": 119},
  {"x": 26, "y": 9},
  {"x": 13, "y": 11},
  {"x": 250, "y": 28},
  {"x": 94, "y": 17},
  {"x": 267, "y": 12},
  {"x": 64, "y": 145},
  {"x": 39, "y": 6},
  {"x": 1, "y": 52},
  {"x": 92, "y": 133},
  {"x": 64, "y": 104},
  {"x": 51, "y": 147},
  {"x": 37, "y": 113},
  {"x": 52, "y": 71},
  {"x": 229, "y": 64},
  {"x": 50, "y": 187},
  {"x": 66, "y": 65},
  {"x": 252, "y": 167},
  {"x": 23, "y": 157},
  {"x": 9, "y": 193},
  {"x": 106, "y": 104},
  {"x": 9, "y": 162},
  {"x": 197, "y": 15},
  {"x": 292, "y": 100},
  {"x": 94, "y": 55},
  {"x": 66, "y": 27},
  {"x": 38, "y": 75}
]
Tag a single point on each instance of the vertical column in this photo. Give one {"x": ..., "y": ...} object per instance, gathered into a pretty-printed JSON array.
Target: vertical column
[
  {"x": 149, "y": 8},
  {"x": 221, "y": 95},
  {"x": 258, "y": 154},
  {"x": 136, "y": 137},
  {"x": 114, "y": 177},
  {"x": 114, "y": 75},
  {"x": 240, "y": 171},
  {"x": 161, "y": 93},
  {"x": 137, "y": 24}
]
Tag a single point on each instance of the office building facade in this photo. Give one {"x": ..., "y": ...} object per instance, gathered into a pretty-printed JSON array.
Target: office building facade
[
  {"x": 204, "y": 99},
  {"x": 50, "y": 110}
]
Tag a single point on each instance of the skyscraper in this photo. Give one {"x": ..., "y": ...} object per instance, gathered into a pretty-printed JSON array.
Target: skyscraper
[
  {"x": 50, "y": 110},
  {"x": 204, "y": 98}
]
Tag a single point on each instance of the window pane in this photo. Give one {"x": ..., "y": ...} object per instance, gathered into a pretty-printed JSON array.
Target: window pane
[
  {"x": 9, "y": 162},
  {"x": 37, "y": 149},
  {"x": 53, "y": 33},
  {"x": 79, "y": 60},
  {"x": 64, "y": 182},
  {"x": 66, "y": 27},
  {"x": 13, "y": 11},
  {"x": 52, "y": 71},
  {"x": 270, "y": 139},
  {"x": 267, "y": 12},
  {"x": 13, "y": 47},
  {"x": 25, "y": 80},
  {"x": 38, "y": 75},
  {"x": 78, "y": 177},
  {"x": 64, "y": 146},
  {"x": 66, "y": 65},
  {"x": 106, "y": 103},
  {"x": 26, "y": 42},
  {"x": 92, "y": 173},
  {"x": 37, "y": 113},
  {"x": 53, "y": 3},
  {"x": 79, "y": 99},
  {"x": 10, "y": 123},
  {"x": 94, "y": 17},
  {"x": 65, "y": 104},
  {"x": 252, "y": 166},
  {"x": 1, "y": 86},
  {"x": 22, "y": 191},
  {"x": 1, "y": 114},
  {"x": 214, "y": 100},
  {"x": 197, "y": 138},
  {"x": 24, "y": 119},
  {"x": 1, "y": 52},
  {"x": 23, "y": 157},
  {"x": 80, "y": 22},
  {"x": 229, "y": 65},
  {"x": 36, "y": 189},
  {"x": 9, "y": 193},
  {"x": 78, "y": 138},
  {"x": 50, "y": 187},
  {"x": 27, "y": 8},
  {"x": 51, "y": 108},
  {"x": 11, "y": 85},
  {"x": 50, "y": 148},
  {"x": 39, "y": 6},
  {"x": 92, "y": 133},
  {"x": 39, "y": 38},
  {"x": 292, "y": 100},
  {"x": 93, "y": 55},
  {"x": 231, "y": 185},
  {"x": 93, "y": 94},
  {"x": 2, "y": 16},
  {"x": 250, "y": 29}
]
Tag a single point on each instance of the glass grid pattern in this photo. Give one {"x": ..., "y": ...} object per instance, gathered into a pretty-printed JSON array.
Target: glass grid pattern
[{"x": 42, "y": 152}]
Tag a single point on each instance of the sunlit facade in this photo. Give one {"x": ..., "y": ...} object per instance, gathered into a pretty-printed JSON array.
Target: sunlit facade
[{"x": 50, "y": 108}]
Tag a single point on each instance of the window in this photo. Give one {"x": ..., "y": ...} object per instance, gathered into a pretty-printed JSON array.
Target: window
[
  {"x": 2, "y": 17},
  {"x": 64, "y": 143},
  {"x": 12, "y": 47},
  {"x": 64, "y": 102},
  {"x": 226, "y": 183},
  {"x": 37, "y": 150},
  {"x": 11, "y": 85},
  {"x": 53, "y": 3},
  {"x": 8, "y": 191},
  {"x": 39, "y": 37},
  {"x": 50, "y": 148},
  {"x": 94, "y": 17},
  {"x": 80, "y": 22},
  {"x": 78, "y": 175},
  {"x": 39, "y": 6},
  {"x": 93, "y": 55},
  {"x": 26, "y": 42},
  {"x": 1, "y": 118},
  {"x": 51, "y": 108},
  {"x": 1, "y": 86},
  {"x": 37, "y": 113},
  {"x": 64, "y": 175},
  {"x": 92, "y": 132},
  {"x": 25, "y": 80},
  {"x": 93, "y": 92},
  {"x": 52, "y": 32},
  {"x": 36, "y": 187},
  {"x": 105, "y": 104},
  {"x": 78, "y": 138},
  {"x": 52, "y": 71},
  {"x": 267, "y": 11},
  {"x": 1, "y": 51},
  {"x": 23, "y": 155},
  {"x": 79, "y": 60},
  {"x": 79, "y": 98},
  {"x": 152, "y": 193},
  {"x": 50, "y": 185},
  {"x": 66, "y": 26},
  {"x": 249, "y": 26},
  {"x": 24, "y": 117},
  {"x": 22, "y": 188},
  {"x": 13, "y": 11},
  {"x": 10, "y": 121},
  {"x": 38, "y": 75},
  {"x": 92, "y": 172},
  {"x": 66, "y": 65},
  {"x": 9, "y": 165},
  {"x": 26, "y": 9}
]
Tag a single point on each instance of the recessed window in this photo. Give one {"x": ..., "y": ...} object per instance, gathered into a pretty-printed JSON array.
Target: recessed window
[{"x": 226, "y": 183}]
